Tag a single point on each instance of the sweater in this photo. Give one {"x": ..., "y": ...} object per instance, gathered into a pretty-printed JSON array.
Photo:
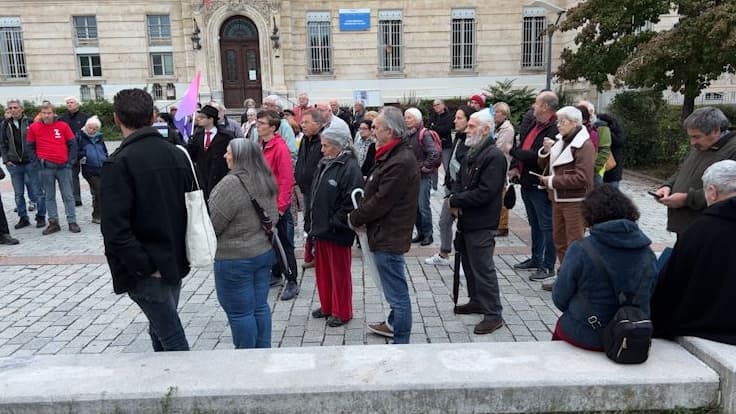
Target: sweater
[
  {"x": 688, "y": 179},
  {"x": 235, "y": 220}
]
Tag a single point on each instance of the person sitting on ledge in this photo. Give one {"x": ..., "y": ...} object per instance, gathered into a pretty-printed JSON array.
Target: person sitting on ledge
[
  {"x": 624, "y": 251},
  {"x": 693, "y": 293}
]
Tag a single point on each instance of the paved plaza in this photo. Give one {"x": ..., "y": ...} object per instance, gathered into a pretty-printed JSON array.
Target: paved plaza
[{"x": 56, "y": 293}]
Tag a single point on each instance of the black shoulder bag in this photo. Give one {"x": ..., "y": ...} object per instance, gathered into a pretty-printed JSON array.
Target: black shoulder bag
[{"x": 627, "y": 337}]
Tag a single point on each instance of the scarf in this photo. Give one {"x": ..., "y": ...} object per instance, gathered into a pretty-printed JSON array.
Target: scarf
[
  {"x": 386, "y": 148},
  {"x": 454, "y": 162}
]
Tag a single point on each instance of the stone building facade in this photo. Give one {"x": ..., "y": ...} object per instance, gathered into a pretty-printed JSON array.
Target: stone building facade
[{"x": 377, "y": 50}]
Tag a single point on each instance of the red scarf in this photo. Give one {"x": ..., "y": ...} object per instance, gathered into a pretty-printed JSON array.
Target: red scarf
[
  {"x": 531, "y": 136},
  {"x": 386, "y": 148}
]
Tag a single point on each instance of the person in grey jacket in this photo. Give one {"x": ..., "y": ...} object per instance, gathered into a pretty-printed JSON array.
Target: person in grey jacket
[{"x": 244, "y": 254}]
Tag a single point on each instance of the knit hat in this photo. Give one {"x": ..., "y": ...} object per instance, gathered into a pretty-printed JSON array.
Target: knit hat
[
  {"x": 416, "y": 113},
  {"x": 338, "y": 136},
  {"x": 478, "y": 99},
  {"x": 210, "y": 111}
]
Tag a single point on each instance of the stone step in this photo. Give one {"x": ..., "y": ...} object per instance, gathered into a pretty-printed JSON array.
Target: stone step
[{"x": 458, "y": 378}]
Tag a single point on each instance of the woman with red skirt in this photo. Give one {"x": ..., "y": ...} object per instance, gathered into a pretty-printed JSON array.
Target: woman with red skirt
[{"x": 337, "y": 175}]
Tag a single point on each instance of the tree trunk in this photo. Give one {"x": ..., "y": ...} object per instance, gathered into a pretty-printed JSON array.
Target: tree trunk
[{"x": 688, "y": 101}]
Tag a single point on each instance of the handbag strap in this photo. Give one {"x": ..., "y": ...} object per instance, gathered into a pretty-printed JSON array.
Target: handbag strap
[
  {"x": 266, "y": 222},
  {"x": 191, "y": 165}
]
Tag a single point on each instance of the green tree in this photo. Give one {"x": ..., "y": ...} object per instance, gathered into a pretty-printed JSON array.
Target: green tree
[
  {"x": 518, "y": 99},
  {"x": 613, "y": 49}
]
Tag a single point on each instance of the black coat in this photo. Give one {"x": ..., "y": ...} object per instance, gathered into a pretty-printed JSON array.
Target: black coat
[
  {"x": 530, "y": 157},
  {"x": 75, "y": 121},
  {"x": 618, "y": 140},
  {"x": 331, "y": 201},
  {"x": 443, "y": 123},
  {"x": 478, "y": 189},
  {"x": 211, "y": 165},
  {"x": 694, "y": 293},
  {"x": 370, "y": 160},
  {"x": 460, "y": 150},
  {"x": 144, "y": 217},
  {"x": 310, "y": 152}
]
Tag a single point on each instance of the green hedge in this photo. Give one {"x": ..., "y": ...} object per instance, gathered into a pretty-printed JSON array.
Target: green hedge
[
  {"x": 103, "y": 110},
  {"x": 654, "y": 134}
]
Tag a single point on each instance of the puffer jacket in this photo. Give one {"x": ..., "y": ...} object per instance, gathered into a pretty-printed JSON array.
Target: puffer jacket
[
  {"x": 93, "y": 150},
  {"x": 624, "y": 250}
]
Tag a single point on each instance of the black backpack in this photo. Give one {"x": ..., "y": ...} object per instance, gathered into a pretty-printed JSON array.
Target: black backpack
[{"x": 627, "y": 337}]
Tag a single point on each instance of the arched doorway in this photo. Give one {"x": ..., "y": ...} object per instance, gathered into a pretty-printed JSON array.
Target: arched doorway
[{"x": 241, "y": 61}]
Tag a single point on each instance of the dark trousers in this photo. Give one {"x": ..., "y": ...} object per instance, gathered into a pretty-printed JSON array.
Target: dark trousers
[
  {"x": 94, "y": 190},
  {"x": 285, "y": 229},
  {"x": 476, "y": 249},
  {"x": 158, "y": 301},
  {"x": 75, "y": 184}
]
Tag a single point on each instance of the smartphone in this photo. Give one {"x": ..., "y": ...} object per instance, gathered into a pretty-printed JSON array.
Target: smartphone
[{"x": 654, "y": 194}]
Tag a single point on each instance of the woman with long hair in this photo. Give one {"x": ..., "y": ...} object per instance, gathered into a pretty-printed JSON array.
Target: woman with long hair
[{"x": 244, "y": 254}]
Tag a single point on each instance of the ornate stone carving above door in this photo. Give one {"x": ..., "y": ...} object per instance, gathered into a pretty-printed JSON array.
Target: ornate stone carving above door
[{"x": 265, "y": 7}]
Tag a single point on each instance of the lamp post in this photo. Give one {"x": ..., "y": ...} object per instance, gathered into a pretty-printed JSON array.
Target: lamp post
[{"x": 559, "y": 11}]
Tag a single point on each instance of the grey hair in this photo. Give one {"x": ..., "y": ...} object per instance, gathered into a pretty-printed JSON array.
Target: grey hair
[
  {"x": 248, "y": 157},
  {"x": 550, "y": 99},
  {"x": 571, "y": 113},
  {"x": 706, "y": 120},
  {"x": 93, "y": 120},
  {"x": 72, "y": 98},
  {"x": 14, "y": 101},
  {"x": 722, "y": 176},
  {"x": 251, "y": 111},
  {"x": 338, "y": 137},
  {"x": 485, "y": 118},
  {"x": 316, "y": 115},
  {"x": 394, "y": 120},
  {"x": 273, "y": 99}
]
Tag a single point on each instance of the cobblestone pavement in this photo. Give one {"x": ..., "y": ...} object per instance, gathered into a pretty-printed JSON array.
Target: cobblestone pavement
[{"x": 56, "y": 294}]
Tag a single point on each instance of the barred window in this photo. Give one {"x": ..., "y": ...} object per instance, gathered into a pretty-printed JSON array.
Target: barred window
[
  {"x": 532, "y": 45},
  {"x": 170, "y": 91},
  {"x": 159, "y": 29},
  {"x": 84, "y": 93},
  {"x": 463, "y": 39},
  {"x": 390, "y": 45},
  {"x": 12, "y": 55},
  {"x": 85, "y": 30},
  {"x": 158, "y": 91},
  {"x": 99, "y": 93},
  {"x": 90, "y": 66},
  {"x": 162, "y": 64},
  {"x": 319, "y": 47}
]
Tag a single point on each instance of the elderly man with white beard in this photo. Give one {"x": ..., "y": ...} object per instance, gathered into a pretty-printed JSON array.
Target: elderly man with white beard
[{"x": 476, "y": 202}]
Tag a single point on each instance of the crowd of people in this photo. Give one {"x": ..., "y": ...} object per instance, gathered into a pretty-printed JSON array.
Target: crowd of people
[{"x": 259, "y": 174}]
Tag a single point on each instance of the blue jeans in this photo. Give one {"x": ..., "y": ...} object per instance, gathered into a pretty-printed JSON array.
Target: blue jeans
[
  {"x": 49, "y": 177},
  {"x": 242, "y": 290},
  {"x": 22, "y": 176},
  {"x": 539, "y": 213},
  {"x": 391, "y": 271},
  {"x": 424, "y": 209},
  {"x": 158, "y": 301}
]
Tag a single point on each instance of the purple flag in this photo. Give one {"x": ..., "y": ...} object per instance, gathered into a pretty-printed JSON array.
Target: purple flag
[{"x": 188, "y": 106}]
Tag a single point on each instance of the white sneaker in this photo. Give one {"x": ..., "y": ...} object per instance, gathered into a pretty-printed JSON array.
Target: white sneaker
[{"x": 437, "y": 260}]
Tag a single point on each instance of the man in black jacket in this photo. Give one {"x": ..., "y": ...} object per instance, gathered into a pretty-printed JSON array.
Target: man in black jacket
[
  {"x": 76, "y": 119},
  {"x": 207, "y": 147},
  {"x": 441, "y": 121},
  {"x": 310, "y": 152},
  {"x": 476, "y": 201},
  {"x": 144, "y": 218},
  {"x": 536, "y": 201}
]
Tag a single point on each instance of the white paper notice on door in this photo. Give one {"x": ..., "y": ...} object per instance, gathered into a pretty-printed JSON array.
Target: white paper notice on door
[{"x": 252, "y": 75}]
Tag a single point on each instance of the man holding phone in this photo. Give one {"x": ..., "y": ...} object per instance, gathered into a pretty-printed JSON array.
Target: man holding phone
[{"x": 711, "y": 141}]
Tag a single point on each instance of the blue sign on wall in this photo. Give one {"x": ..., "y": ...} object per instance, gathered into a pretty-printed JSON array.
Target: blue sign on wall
[{"x": 355, "y": 20}]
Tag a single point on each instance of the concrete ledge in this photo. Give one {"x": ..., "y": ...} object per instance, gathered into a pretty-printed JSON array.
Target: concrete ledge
[
  {"x": 438, "y": 378},
  {"x": 720, "y": 357}
]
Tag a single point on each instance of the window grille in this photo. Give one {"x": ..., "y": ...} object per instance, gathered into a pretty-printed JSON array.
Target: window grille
[
  {"x": 532, "y": 46},
  {"x": 390, "y": 44},
  {"x": 319, "y": 38},
  {"x": 463, "y": 39},
  {"x": 159, "y": 29},
  {"x": 162, "y": 64},
  {"x": 99, "y": 93},
  {"x": 84, "y": 93},
  {"x": 170, "y": 91},
  {"x": 85, "y": 30},
  {"x": 12, "y": 55},
  {"x": 158, "y": 92}
]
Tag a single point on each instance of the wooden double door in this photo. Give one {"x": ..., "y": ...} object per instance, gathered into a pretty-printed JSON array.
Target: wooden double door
[{"x": 241, "y": 62}]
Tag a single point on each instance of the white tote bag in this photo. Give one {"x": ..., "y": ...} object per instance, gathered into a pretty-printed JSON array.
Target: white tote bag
[{"x": 200, "y": 238}]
